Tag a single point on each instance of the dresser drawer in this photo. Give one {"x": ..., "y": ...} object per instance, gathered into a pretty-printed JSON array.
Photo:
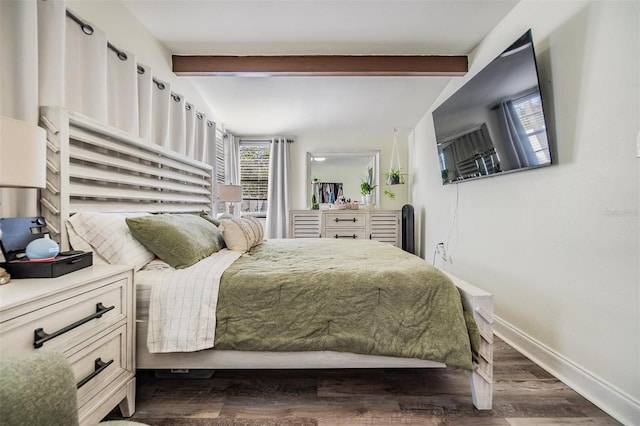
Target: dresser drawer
[
  {"x": 97, "y": 365},
  {"x": 64, "y": 324},
  {"x": 345, "y": 234},
  {"x": 345, "y": 220}
]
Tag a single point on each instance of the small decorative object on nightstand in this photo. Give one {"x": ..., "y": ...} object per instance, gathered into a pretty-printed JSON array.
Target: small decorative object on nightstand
[{"x": 5, "y": 277}]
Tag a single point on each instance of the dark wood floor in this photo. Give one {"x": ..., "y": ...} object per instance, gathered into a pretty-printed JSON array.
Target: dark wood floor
[{"x": 524, "y": 394}]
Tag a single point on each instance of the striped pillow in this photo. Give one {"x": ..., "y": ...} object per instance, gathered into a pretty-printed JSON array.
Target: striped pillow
[
  {"x": 242, "y": 234},
  {"x": 108, "y": 236}
]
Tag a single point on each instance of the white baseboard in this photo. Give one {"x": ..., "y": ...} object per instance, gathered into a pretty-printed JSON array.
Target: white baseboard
[{"x": 610, "y": 399}]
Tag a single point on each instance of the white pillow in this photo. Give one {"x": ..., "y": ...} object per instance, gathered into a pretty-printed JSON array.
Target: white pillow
[
  {"x": 242, "y": 234},
  {"x": 108, "y": 236},
  {"x": 78, "y": 243}
]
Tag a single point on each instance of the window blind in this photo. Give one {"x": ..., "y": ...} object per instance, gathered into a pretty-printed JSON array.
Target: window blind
[{"x": 254, "y": 176}]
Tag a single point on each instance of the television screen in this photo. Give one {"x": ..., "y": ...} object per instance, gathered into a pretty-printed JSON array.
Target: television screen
[{"x": 495, "y": 123}]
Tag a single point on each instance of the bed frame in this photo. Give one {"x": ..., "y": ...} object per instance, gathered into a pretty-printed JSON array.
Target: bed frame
[{"x": 93, "y": 167}]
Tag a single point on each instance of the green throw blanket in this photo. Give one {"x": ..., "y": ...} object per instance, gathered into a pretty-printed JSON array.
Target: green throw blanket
[{"x": 364, "y": 297}]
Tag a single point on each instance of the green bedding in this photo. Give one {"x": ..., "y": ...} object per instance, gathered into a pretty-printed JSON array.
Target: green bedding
[{"x": 364, "y": 297}]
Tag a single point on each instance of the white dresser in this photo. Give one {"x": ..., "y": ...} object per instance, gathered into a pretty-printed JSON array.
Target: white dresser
[
  {"x": 88, "y": 315},
  {"x": 379, "y": 225}
]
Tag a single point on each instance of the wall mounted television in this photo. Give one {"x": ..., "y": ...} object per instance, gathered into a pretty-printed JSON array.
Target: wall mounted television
[{"x": 495, "y": 123}]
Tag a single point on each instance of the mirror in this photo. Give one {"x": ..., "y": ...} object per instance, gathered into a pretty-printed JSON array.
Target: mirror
[{"x": 344, "y": 170}]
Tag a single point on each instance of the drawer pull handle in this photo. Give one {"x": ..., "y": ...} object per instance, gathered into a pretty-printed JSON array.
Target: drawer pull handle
[
  {"x": 354, "y": 236},
  {"x": 98, "y": 367},
  {"x": 40, "y": 336},
  {"x": 337, "y": 219}
]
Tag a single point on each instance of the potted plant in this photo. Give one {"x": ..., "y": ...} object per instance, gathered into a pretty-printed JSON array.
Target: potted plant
[
  {"x": 314, "y": 194},
  {"x": 365, "y": 189},
  {"x": 395, "y": 177}
]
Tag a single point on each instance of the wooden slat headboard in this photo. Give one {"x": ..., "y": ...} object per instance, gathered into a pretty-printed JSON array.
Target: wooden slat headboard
[{"x": 94, "y": 167}]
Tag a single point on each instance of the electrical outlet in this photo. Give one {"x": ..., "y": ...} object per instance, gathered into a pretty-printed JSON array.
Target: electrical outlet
[{"x": 442, "y": 251}]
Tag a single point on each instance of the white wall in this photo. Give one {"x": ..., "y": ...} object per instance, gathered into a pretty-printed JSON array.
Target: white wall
[{"x": 558, "y": 246}]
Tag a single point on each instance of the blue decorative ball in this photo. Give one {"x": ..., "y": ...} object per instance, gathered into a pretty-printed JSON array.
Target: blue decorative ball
[{"x": 42, "y": 248}]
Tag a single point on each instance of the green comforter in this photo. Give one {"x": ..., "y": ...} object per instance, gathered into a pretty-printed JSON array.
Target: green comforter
[{"x": 364, "y": 297}]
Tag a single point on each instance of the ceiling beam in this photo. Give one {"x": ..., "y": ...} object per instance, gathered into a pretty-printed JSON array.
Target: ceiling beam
[{"x": 321, "y": 65}]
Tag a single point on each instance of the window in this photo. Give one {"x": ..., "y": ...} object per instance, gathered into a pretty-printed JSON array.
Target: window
[
  {"x": 529, "y": 111},
  {"x": 254, "y": 177}
]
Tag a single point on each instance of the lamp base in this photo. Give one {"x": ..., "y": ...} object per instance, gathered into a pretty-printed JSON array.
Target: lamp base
[{"x": 229, "y": 213}]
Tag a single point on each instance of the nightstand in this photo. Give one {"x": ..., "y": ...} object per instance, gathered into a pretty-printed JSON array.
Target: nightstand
[{"x": 88, "y": 316}]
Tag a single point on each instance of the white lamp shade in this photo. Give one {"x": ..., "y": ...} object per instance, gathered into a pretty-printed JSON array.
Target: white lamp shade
[
  {"x": 23, "y": 154},
  {"x": 230, "y": 193}
]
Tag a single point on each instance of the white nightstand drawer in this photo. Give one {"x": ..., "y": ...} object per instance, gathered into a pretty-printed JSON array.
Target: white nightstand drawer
[
  {"x": 345, "y": 234},
  {"x": 62, "y": 325},
  {"x": 100, "y": 363},
  {"x": 346, "y": 220}
]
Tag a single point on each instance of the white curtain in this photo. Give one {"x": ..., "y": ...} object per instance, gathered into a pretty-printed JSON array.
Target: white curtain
[
  {"x": 190, "y": 133},
  {"x": 86, "y": 74},
  {"x": 200, "y": 153},
  {"x": 210, "y": 146},
  {"x": 122, "y": 91},
  {"x": 19, "y": 86},
  {"x": 517, "y": 145},
  {"x": 160, "y": 113},
  {"x": 232, "y": 160},
  {"x": 279, "y": 172},
  {"x": 86, "y": 71},
  {"x": 51, "y": 48},
  {"x": 145, "y": 102},
  {"x": 232, "y": 165},
  {"x": 178, "y": 128}
]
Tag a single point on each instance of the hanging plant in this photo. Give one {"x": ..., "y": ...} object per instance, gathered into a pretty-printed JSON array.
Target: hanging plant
[{"x": 395, "y": 177}]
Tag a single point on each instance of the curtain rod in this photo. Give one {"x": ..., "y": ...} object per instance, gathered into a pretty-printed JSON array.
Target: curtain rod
[
  {"x": 122, "y": 55},
  {"x": 88, "y": 30},
  {"x": 158, "y": 83},
  {"x": 263, "y": 140}
]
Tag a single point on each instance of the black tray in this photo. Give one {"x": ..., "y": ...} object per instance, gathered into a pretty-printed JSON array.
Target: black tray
[
  {"x": 25, "y": 268},
  {"x": 17, "y": 233}
]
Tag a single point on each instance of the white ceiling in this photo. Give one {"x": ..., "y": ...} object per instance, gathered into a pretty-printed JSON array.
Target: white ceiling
[{"x": 309, "y": 105}]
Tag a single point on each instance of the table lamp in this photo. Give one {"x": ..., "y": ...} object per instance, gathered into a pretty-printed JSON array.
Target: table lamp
[
  {"x": 23, "y": 154},
  {"x": 23, "y": 159},
  {"x": 229, "y": 194}
]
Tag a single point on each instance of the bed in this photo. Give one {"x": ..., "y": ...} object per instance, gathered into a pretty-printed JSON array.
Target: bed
[{"x": 93, "y": 168}]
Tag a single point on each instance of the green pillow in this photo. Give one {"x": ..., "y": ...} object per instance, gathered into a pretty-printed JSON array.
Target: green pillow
[
  {"x": 179, "y": 239},
  {"x": 210, "y": 218}
]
